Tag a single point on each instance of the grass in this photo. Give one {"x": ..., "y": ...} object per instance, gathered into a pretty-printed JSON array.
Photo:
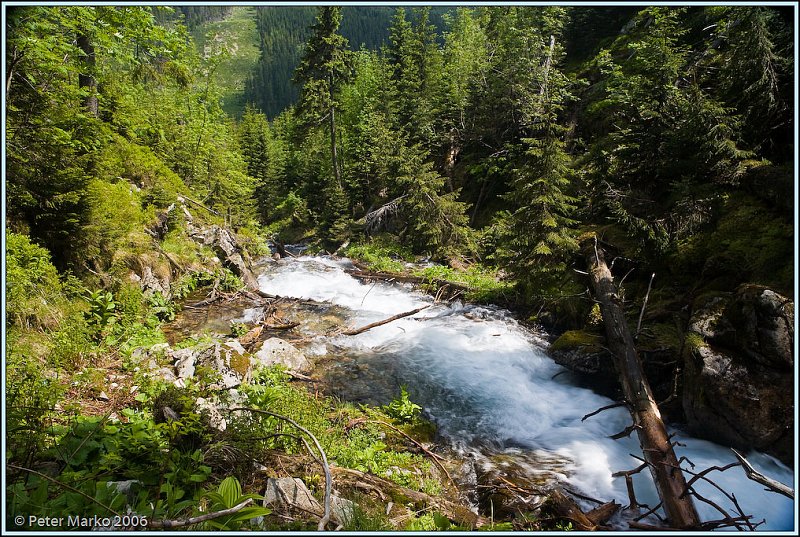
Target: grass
[
  {"x": 236, "y": 36},
  {"x": 383, "y": 254}
]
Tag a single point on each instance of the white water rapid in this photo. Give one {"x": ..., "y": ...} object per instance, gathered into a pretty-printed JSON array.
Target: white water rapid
[{"x": 482, "y": 378}]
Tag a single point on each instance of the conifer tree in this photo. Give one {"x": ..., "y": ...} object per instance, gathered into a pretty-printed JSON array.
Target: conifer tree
[
  {"x": 538, "y": 235},
  {"x": 325, "y": 66}
]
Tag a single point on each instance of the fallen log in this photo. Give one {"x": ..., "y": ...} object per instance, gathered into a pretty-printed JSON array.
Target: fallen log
[
  {"x": 356, "y": 331},
  {"x": 653, "y": 438},
  {"x": 566, "y": 507},
  {"x": 600, "y": 514},
  {"x": 405, "y": 278}
]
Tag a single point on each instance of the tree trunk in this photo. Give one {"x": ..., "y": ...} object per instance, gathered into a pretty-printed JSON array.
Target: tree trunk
[
  {"x": 86, "y": 79},
  {"x": 547, "y": 64},
  {"x": 653, "y": 438}
]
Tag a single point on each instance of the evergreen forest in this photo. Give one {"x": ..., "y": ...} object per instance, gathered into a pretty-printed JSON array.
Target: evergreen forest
[{"x": 467, "y": 149}]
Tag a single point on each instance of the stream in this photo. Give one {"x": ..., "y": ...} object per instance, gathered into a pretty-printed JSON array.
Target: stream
[{"x": 488, "y": 385}]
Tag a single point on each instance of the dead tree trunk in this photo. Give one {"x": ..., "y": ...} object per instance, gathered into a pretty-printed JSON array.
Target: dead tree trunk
[{"x": 653, "y": 438}]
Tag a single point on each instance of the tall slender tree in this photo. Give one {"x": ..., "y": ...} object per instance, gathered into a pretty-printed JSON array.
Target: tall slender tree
[{"x": 324, "y": 68}]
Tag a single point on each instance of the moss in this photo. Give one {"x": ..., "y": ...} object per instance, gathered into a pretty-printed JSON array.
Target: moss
[
  {"x": 240, "y": 363},
  {"x": 572, "y": 339},
  {"x": 749, "y": 242},
  {"x": 660, "y": 336},
  {"x": 694, "y": 342}
]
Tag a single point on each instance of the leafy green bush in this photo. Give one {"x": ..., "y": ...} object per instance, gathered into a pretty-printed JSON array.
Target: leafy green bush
[
  {"x": 115, "y": 222},
  {"x": 31, "y": 398},
  {"x": 402, "y": 408},
  {"x": 34, "y": 293},
  {"x": 382, "y": 253},
  {"x": 228, "y": 495},
  {"x": 102, "y": 309}
]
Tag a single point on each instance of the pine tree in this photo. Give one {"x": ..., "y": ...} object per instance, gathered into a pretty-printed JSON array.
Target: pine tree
[
  {"x": 323, "y": 70},
  {"x": 538, "y": 236},
  {"x": 438, "y": 221},
  {"x": 325, "y": 66}
]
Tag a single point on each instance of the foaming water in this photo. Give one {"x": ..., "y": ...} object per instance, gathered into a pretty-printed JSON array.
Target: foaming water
[{"x": 484, "y": 379}]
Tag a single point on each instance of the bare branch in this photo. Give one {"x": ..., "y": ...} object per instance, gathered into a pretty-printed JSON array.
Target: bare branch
[
  {"x": 607, "y": 407},
  {"x": 180, "y": 523},
  {"x": 771, "y": 484},
  {"x": 370, "y": 326}
]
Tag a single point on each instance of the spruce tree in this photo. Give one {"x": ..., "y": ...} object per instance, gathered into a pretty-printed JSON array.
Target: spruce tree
[{"x": 324, "y": 68}]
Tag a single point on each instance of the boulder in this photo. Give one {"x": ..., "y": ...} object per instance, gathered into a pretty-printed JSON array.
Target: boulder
[
  {"x": 738, "y": 382},
  {"x": 582, "y": 352},
  {"x": 342, "y": 509},
  {"x": 744, "y": 406},
  {"x": 277, "y": 351},
  {"x": 227, "y": 247},
  {"x": 764, "y": 325},
  {"x": 755, "y": 320},
  {"x": 288, "y": 494},
  {"x": 184, "y": 360}
]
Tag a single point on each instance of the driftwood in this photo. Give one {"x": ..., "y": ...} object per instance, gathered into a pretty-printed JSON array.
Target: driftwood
[
  {"x": 593, "y": 520},
  {"x": 457, "y": 513},
  {"x": 167, "y": 524},
  {"x": 754, "y": 475},
  {"x": 656, "y": 446},
  {"x": 356, "y": 331}
]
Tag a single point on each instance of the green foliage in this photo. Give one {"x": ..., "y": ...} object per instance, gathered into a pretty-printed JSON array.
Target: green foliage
[
  {"x": 361, "y": 448},
  {"x": 31, "y": 395},
  {"x": 102, "y": 310},
  {"x": 229, "y": 494},
  {"x": 402, "y": 408},
  {"x": 161, "y": 307},
  {"x": 238, "y": 329},
  {"x": 381, "y": 253},
  {"x": 34, "y": 293}
]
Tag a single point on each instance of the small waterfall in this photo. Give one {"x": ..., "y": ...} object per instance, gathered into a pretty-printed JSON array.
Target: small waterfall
[{"x": 485, "y": 380}]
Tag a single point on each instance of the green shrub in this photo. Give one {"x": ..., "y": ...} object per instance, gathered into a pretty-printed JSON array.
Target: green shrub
[
  {"x": 34, "y": 293},
  {"x": 402, "y": 408},
  {"x": 115, "y": 221},
  {"x": 31, "y": 398}
]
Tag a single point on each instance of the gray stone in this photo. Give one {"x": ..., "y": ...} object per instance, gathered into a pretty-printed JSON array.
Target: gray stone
[
  {"x": 707, "y": 318},
  {"x": 764, "y": 322},
  {"x": 184, "y": 360},
  {"x": 746, "y": 406},
  {"x": 755, "y": 320},
  {"x": 277, "y": 351},
  {"x": 215, "y": 418},
  {"x": 286, "y": 494},
  {"x": 342, "y": 509},
  {"x": 226, "y": 246},
  {"x": 234, "y": 345}
]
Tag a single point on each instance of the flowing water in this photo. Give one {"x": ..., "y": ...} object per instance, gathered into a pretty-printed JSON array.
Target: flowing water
[{"x": 486, "y": 381}]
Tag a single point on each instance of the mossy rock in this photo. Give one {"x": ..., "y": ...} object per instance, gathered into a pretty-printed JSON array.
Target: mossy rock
[
  {"x": 573, "y": 339},
  {"x": 660, "y": 336}
]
